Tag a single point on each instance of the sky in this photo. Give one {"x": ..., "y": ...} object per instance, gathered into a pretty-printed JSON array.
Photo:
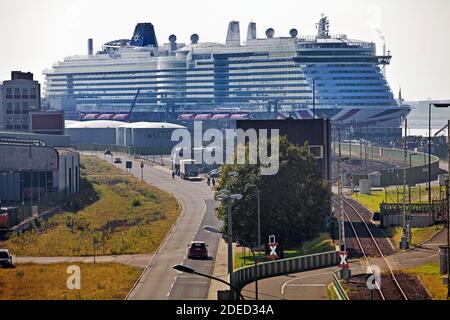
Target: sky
[{"x": 35, "y": 34}]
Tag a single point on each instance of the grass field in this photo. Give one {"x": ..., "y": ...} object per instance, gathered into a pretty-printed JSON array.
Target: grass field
[
  {"x": 118, "y": 214},
  {"x": 49, "y": 282},
  {"x": 431, "y": 279},
  {"x": 322, "y": 243},
  {"x": 418, "y": 234}
]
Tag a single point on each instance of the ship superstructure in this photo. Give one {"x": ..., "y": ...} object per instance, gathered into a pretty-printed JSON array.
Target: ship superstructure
[{"x": 272, "y": 77}]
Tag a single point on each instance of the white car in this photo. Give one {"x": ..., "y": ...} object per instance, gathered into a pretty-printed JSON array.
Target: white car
[{"x": 6, "y": 259}]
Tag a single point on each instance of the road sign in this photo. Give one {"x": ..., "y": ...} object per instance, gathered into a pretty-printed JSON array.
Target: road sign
[
  {"x": 343, "y": 263},
  {"x": 142, "y": 164},
  {"x": 273, "y": 251},
  {"x": 129, "y": 164},
  {"x": 272, "y": 238}
]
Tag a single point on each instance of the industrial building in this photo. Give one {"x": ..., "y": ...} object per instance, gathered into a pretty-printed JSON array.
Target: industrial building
[
  {"x": 148, "y": 137},
  {"x": 102, "y": 132},
  {"x": 139, "y": 137},
  {"x": 35, "y": 176},
  {"x": 19, "y": 96},
  {"x": 317, "y": 132}
]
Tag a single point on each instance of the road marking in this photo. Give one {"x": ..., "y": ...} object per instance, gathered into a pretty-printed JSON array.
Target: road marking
[
  {"x": 307, "y": 285},
  {"x": 299, "y": 278}
]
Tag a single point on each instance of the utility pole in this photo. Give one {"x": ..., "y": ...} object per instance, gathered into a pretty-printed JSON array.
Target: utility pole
[
  {"x": 365, "y": 158},
  {"x": 404, "y": 243},
  {"x": 345, "y": 272},
  {"x": 350, "y": 146},
  {"x": 340, "y": 195}
]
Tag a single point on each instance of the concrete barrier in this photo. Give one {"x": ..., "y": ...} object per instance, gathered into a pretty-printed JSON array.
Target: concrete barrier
[{"x": 246, "y": 275}]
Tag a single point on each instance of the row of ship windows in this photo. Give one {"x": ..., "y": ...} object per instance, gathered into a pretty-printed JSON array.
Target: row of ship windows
[
  {"x": 250, "y": 100},
  {"x": 181, "y": 91},
  {"x": 247, "y": 95},
  {"x": 184, "y": 81},
  {"x": 197, "y": 70},
  {"x": 321, "y": 88},
  {"x": 251, "y": 103},
  {"x": 225, "y": 80}
]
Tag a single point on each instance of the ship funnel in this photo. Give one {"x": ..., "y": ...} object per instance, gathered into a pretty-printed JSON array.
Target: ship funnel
[
  {"x": 251, "y": 31},
  {"x": 270, "y": 33},
  {"x": 144, "y": 35},
  {"x": 293, "y": 33},
  {"x": 90, "y": 46},
  {"x": 233, "y": 34},
  {"x": 194, "y": 38},
  {"x": 173, "y": 42}
]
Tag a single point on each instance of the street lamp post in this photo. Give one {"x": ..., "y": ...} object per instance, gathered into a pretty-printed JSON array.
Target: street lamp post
[
  {"x": 410, "y": 178},
  {"x": 259, "y": 234},
  {"x": 214, "y": 230},
  {"x": 436, "y": 105},
  {"x": 183, "y": 268},
  {"x": 227, "y": 195}
]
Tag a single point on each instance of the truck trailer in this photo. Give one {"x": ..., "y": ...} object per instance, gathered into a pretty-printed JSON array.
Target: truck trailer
[{"x": 189, "y": 170}]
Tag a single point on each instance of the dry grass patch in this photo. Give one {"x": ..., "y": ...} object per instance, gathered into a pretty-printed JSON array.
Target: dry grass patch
[
  {"x": 431, "y": 279},
  {"x": 119, "y": 214},
  {"x": 48, "y": 282}
]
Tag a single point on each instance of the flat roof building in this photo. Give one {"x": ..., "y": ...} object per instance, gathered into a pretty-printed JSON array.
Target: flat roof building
[{"x": 19, "y": 96}]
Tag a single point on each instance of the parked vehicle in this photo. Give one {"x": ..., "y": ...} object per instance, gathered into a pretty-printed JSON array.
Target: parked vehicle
[
  {"x": 118, "y": 160},
  {"x": 6, "y": 259},
  {"x": 197, "y": 249},
  {"x": 214, "y": 173},
  {"x": 189, "y": 170},
  {"x": 107, "y": 151}
]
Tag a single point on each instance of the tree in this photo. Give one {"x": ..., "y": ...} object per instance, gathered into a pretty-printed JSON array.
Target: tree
[{"x": 294, "y": 202}]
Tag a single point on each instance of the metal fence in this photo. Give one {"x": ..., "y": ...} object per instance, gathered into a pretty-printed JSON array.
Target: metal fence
[
  {"x": 338, "y": 288},
  {"x": 30, "y": 210}
]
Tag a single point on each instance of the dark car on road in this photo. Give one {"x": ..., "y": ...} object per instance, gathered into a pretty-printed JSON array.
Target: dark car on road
[
  {"x": 118, "y": 160},
  {"x": 198, "y": 250},
  {"x": 6, "y": 259}
]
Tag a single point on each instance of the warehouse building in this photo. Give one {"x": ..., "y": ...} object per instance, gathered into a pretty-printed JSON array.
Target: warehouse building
[
  {"x": 147, "y": 137},
  {"x": 34, "y": 178},
  {"x": 103, "y": 132}
]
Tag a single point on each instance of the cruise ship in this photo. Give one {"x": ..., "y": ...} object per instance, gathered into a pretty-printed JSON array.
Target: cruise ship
[{"x": 289, "y": 76}]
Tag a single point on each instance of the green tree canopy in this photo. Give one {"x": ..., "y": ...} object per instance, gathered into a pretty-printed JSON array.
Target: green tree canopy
[{"x": 294, "y": 202}]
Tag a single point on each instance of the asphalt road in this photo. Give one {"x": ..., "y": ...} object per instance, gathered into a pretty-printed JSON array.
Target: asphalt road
[{"x": 160, "y": 280}]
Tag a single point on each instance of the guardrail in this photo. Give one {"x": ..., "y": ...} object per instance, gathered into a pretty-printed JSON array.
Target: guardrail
[
  {"x": 338, "y": 288},
  {"x": 246, "y": 275}
]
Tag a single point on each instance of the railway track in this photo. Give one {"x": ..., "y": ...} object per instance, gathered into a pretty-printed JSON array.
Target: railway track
[{"x": 390, "y": 288}]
